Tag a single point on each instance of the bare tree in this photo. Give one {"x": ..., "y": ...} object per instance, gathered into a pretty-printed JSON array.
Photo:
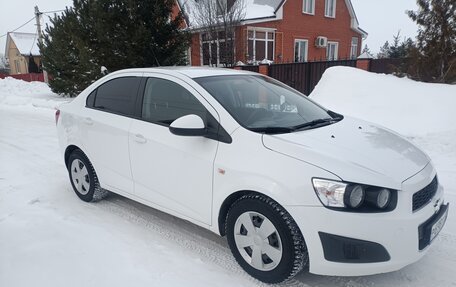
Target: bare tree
[{"x": 217, "y": 20}]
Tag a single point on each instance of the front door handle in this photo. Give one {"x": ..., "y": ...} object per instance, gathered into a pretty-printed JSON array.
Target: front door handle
[
  {"x": 88, "y": 121},
  {"x": 139, "y": 138}
]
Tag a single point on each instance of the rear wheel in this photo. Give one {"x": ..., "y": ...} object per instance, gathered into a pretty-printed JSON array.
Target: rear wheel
[
  {"x": 83, "y": 177},
  {"x": 264, "y": 239}
]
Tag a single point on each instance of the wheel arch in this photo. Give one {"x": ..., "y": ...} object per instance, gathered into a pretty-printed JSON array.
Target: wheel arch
[
  {"x": 228, "y": 202},
  {"x": 70, "y": 149}
]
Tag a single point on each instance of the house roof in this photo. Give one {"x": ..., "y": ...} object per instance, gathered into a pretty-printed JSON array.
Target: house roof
[
  {"x": 26, "y": 43},
  {"x": 253, "y": 9},
  {"x": 261, "y": 9}
]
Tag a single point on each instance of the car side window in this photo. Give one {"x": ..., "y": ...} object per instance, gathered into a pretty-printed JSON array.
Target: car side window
[
  {"x": 165, "y": 101},
  {"x": 90, "y": 102},
  {"x": 117, "y": 96}
]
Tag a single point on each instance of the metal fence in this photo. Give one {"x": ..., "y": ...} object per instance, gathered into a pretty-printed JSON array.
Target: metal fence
[
  {"x": 387, "y": 66},
  {"x": 304, "y": 76}
]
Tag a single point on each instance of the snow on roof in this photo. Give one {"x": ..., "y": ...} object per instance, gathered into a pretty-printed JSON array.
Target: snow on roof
[
  {"x": 26, "y": 43},
  {"x": 253, "y": 9},
  {"x": 365, "y": 55}
]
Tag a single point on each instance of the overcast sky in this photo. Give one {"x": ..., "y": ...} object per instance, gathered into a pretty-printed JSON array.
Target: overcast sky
[{"x": 380, "y": 18}]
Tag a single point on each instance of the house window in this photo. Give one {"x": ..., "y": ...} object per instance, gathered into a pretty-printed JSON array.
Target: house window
[
  {"x": 332, "y": 51},
  {"x": 260, "y": 45},
  {"x": 308, "y": 6},
  {"x": 330, "y": 8},
  {"x": 218, "y": 51},
  {"x": 354, "y": 48},
  {"x": 18, "y": 66},
  {"x": 301, "y": 50}
]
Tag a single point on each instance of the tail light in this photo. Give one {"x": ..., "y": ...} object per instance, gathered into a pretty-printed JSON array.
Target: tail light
[{"x": 57, "y": 115}]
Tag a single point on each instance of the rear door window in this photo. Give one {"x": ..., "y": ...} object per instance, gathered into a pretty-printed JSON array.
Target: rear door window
[{"x": 118, "y": 95}]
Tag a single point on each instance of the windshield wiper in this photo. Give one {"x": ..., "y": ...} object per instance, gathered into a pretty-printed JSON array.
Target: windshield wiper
[
  {"x": 273, "y": 130},
  {"x": 318, "y": 122}
]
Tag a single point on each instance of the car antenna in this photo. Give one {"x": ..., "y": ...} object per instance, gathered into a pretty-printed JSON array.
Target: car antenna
[{"x": 155, "y": 57}]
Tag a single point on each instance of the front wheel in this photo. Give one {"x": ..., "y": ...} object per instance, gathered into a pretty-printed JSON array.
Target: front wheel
[{"x": 265, "y": 239}]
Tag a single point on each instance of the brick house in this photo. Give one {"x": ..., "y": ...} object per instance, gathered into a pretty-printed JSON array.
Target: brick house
[{"x": 284, "y": 31}]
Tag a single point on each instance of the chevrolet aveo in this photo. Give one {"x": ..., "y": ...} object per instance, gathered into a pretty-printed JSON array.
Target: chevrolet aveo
[{"x": 291, "y": 184}]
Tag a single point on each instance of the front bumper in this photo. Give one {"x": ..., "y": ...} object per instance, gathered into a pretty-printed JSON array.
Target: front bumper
[{"x": 397, "y": 231}]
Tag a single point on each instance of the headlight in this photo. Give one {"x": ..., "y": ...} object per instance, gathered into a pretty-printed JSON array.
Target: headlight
[
  {"x": 354, "y": 197},
  {"x": 380, "y": 199}
]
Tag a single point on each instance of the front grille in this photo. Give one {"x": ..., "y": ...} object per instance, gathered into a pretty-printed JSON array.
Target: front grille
[{"x": 424, "y": 196}]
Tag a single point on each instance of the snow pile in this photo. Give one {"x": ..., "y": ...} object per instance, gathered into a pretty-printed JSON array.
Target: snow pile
[
  {"x": 406, "y": 106},
  {"x": 15, "y": 92}
]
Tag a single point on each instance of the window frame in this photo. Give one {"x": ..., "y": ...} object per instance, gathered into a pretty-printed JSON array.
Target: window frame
[
  {"x": 136, "y": 97},
  {"x": 296, "y": 41},
  {"x": 266, "y": 41},
  {"x": 217, "y": 42},
  {"x": 304, "y": 6},
  {"x": 336, "y": 51},
  {"x": 354, "y": 48},
  {"x": 332, "y": 13},
  {"x": 143, "y": 95},
  {"x": 220, "y": 134}
]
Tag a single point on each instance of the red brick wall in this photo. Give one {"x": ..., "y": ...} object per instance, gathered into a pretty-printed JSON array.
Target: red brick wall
[
  {"x": 195, "y": 50},
  {"x": 363, "y": 64},
  {"x": 297, "y": 25},
  {"x": 176, "y": 10}
]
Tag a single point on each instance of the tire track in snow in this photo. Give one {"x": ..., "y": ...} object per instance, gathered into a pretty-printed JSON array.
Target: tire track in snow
[{"x": 206, "y": 245}]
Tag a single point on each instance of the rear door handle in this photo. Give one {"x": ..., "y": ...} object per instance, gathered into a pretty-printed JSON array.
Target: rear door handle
[
  {"x": 140, "y": 138},
  {"x": 88, "y": 121}
]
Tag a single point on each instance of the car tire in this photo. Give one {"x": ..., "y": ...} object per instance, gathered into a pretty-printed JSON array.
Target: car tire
[
  {"x": 275, "y": 250},
  {"x": 83, "y": 178}
]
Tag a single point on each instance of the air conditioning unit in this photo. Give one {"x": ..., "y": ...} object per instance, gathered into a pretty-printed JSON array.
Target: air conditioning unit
[{"x": 321, "y": 42}]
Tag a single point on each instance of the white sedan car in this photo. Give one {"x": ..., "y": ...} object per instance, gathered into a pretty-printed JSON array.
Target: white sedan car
[{"x": 291, "y": 184}]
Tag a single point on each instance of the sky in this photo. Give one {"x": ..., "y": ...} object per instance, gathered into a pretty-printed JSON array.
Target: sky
[{"x": 380, "y": 18}]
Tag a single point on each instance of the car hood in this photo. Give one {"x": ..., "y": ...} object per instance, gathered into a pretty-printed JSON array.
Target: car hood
[{"x": 355, "y": 151}]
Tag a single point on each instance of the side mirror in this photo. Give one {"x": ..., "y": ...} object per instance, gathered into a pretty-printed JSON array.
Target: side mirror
[{"x": 189, "y": 125}]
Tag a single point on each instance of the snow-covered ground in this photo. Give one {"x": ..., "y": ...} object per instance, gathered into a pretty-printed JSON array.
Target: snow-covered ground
[{"x": 48, "y": 237}]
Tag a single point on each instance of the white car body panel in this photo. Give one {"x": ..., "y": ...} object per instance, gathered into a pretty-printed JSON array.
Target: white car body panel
[
  {"x": 355, "y": 150},
  {"x": 191, "y": 177}
]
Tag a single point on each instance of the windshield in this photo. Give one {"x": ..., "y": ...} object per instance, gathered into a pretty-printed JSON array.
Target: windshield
[{"x": 262, "y": 104}]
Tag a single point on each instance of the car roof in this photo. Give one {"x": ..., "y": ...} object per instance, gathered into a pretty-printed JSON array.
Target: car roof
[{"x": 191, "y": 72}]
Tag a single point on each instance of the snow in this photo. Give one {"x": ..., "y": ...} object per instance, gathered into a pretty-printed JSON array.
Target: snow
[
  {"x": 26, "y": 43},
  {"x": 15, "y": 92},
  {"x": 260, "y": 9},
  {"x": 48, "y": 237},
  {"x": 253, "y": 9},
  {"x": 365, "y": 56}
]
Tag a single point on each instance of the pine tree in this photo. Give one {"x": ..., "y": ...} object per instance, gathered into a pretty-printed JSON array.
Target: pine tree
[
  {"x": 367, "y": 51},
  {"x": 398, "y": 49},
  {"x": 117, "y": 34},
  {"x": 435, "y": 55}
]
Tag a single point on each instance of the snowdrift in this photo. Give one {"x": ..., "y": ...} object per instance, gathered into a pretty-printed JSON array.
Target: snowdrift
[
  {"x": 15, "y": 92},
  {"x": 406, "y": 106}
]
